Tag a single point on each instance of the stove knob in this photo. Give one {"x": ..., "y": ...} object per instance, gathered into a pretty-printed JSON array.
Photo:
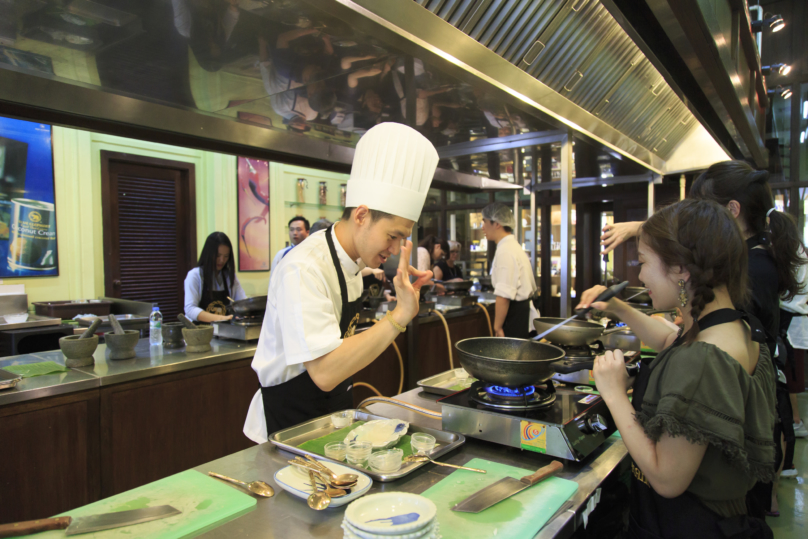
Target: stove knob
[{"x": 593, "y": 424}]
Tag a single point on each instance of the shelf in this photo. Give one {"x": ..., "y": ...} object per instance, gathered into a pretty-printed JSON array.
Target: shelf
[{"x": 308, "y": 206}]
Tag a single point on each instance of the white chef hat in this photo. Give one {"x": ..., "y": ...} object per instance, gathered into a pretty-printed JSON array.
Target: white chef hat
[
  {"x": 499, "y": 213},
  {"x": 392, "y": 170}
]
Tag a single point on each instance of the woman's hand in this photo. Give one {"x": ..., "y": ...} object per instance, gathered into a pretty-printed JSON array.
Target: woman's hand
[
  {"x": 611, "y": 376},
  {"x": 589, "y": 296},
  {"x": 408, "y": 294},
  {"x": 617, "y": 233}
]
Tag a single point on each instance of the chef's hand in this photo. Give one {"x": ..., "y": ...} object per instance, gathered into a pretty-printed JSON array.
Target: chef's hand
[
  {"x": 408, "y": 294},
  {"x": 378, "y": 273},
  {"x": 611, "y": 376},
  {"x": 617, "y": 233}
]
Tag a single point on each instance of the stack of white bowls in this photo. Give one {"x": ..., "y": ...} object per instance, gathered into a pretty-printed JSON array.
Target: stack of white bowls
[{"x": 391, "y": 515}]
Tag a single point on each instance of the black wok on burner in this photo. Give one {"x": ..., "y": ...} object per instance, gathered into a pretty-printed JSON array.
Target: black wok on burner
[{"x": 508, "y": 362}]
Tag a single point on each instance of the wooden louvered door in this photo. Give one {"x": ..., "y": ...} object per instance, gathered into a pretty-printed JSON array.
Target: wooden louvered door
[{"x": 149, "y": 229}]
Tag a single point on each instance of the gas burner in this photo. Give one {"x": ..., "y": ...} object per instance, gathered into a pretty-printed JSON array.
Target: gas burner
[
  {"x": 510, "y": 398},
  {"x": 247, "y": 320},
  {"x": 510, "y": 392}
]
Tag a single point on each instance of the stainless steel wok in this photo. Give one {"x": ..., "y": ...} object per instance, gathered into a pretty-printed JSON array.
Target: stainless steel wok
[
  {"x": 573, "y": 333},
  {"x": 508, "y": 362},
  {"x": 630, "y": 291},
  {"x": 249, "y": 306},
  {"x": 456, "y": 286}
]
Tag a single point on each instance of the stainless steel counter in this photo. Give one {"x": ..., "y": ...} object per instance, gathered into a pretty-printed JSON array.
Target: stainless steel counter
[
  {"x": 149, "y": 361},
  {"x": 287, "y": 516}
]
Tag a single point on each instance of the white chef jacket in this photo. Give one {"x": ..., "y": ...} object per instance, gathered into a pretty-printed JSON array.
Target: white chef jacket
[
  {"x": 279, "y": 256},
  {"x": 511, "y": 273},
  {"x": 798, "y": 330},
  {"x": 301, "y": 323},
  {"x": 424, "y": 260},
  {"x": 193, "y": 292}
]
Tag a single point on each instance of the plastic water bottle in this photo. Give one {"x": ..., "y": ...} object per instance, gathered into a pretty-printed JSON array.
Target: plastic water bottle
[{"x": 155, "y": 326}]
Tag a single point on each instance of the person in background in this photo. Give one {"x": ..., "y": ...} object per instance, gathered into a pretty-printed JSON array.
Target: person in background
[
  {"x": 794, "y": 333},
  {"x": 212, "y": 282},
  {"x": 298, "y": 231},
  {"x": 446, "y": 268},
  {"x": 320, "y": 224},
  {"x": 429, "y": 252},
  {"x": 511, "y": 274},
  {"x": 698, "y": 428}
]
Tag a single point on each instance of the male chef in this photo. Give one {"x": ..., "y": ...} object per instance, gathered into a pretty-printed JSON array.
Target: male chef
[
  {"x": 307, "y": 350},
  {"x": 511, "y": 274}
]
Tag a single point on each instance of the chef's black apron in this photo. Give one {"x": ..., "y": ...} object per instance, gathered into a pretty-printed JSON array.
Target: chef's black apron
[
  {"x": 299, "y": 399},
  {"x": 517, "y": 321},
  {"x": 653, "y": 517},
  {"x": 215, "y": 301}
]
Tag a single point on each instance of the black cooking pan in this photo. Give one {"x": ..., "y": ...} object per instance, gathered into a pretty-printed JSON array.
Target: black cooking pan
[
  {"x": 508, "y": 362},
  {"x": 456, "y": 286},
  {"x": 517, "y": 362},
  {"x": 249, "y": 306}
]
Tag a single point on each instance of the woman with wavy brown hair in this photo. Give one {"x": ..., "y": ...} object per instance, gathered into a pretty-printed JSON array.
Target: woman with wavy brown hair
[{"x": 698, "y": 428}]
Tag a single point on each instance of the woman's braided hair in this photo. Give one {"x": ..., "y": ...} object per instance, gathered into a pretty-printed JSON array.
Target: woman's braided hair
[{"x": 702, "y": 237}]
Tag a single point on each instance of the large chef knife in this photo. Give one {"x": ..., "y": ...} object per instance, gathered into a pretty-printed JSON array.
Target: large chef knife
[
  {"x": 92, "y": 523},
  {"x": 503, "y": 489}
]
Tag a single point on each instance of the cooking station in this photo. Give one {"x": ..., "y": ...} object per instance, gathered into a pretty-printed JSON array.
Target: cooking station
[
  {"x": 457, "y": 294},
  {"x": 248, "y": 317}
]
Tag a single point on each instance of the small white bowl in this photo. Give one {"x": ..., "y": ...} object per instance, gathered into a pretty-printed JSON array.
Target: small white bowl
[
  {"x": 430, "y": 531},
  {"x": 16, "y": 318},
  {"x": 336, "y": 450},
  {"x": 386, "y": 461},
  {"x": 378, "y": 513},
  {"x": 422, "y": 443},
  {"x": 342, "y": 419},
  {"x": 358, "y": 452}
]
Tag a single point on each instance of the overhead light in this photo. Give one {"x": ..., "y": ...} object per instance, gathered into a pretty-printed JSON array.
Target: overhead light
[
  {"x": 785, "y": 93},
  {"x": 805, "y": 110},
  {"x": 802, "y": 137},
  {"x": 781, "y": 69},
  {"x": 773, "y": 23}
]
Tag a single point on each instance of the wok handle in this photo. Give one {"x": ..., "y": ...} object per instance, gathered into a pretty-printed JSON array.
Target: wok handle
[
  {"x": 569, "y": 367},
  {"x": 606, "y": 295}
]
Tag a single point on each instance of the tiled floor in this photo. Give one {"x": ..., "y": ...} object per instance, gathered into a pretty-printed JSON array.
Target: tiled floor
[{"x": 793, "y": 493}]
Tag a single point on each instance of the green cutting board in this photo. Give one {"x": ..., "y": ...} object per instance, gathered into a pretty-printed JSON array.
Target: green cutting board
[
  {"x": 520, "y": 516},
  {"x": 205, "y": 502}
]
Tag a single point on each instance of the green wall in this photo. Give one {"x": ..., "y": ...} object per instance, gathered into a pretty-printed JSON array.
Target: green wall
[{"x": 77, "y": 171}]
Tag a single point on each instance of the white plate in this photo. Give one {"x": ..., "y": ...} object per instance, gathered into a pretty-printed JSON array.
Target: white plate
[
  {"x": 296, "y": 482},
  {"x": 378, "y": 513},
  {"x": 382, "y": 433},
  {"x": 427, "y": 532}
]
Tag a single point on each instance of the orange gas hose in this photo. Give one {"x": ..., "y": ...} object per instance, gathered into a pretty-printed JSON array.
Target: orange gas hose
[
  {"x": 363, "y": 384},
  {"x": 448, "y": 337},
  {"x": 488, "y": 316}
]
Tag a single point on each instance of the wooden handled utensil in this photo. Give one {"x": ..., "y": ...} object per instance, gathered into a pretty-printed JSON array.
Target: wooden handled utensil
[
  {"x": 184, "y": 319},
  {"x": 91, "y": 330},
  {"x": 116, "y": 326},
  {"x": 504, "y": 489}
]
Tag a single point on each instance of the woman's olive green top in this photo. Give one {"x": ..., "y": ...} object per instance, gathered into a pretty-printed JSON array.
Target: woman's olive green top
[{"x": 700, "y": 392}]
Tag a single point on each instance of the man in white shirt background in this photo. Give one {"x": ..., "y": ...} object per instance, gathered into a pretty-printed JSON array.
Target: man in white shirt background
[
  {"x": 511, "y": 274},
  {"x": 298, "y": 231}
]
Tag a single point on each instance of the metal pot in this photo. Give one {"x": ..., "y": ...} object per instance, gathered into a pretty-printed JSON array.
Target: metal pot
[
  {"x": 249, "y": 306},
  {"x": 621, "y": 338},
  {"x": 508, "y": 362},
  {"x": 573, "y": 333},
  {"x": 456, "y": 286},
  {"x": 640, "y": 298}
]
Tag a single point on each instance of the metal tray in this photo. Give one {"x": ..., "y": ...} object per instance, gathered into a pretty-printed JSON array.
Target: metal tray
[
  {"x": 34, "y": 321},
  {"x": 441, "y": 384},
  {"x": 8, "y": 380},
  {"x": 289, "y": 440}
]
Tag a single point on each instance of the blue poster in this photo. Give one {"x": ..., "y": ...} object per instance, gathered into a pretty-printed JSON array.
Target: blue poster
[{"x": 27, "y": 203}]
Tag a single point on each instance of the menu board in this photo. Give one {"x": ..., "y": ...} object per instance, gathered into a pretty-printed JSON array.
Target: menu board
[{"x": 28, "y": 245}]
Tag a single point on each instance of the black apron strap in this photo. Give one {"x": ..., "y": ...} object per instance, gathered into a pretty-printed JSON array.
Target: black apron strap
[{"x": 300, "y": 399}]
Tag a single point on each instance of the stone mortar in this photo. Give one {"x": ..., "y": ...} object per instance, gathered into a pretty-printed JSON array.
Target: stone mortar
[
  {"x": 122, "y": 346},
  {"x": 198, "y": 340},
  {"x": 78, "y": 352},
  {"x": 172, "y": 335}
]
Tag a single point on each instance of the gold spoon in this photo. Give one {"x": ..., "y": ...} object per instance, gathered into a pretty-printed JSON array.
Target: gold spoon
[
  {"x": 324, "y": 479},
  {"x": 317, "y": 500},
  {"x": 256, "y": 487},
  {"x": 337, "y": 480},
  {"x": 331, "y": 491},
  {"x": 424, "y": 458}
]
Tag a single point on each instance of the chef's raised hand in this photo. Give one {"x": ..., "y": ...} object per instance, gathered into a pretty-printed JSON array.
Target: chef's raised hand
[{"x": 408, "y": 294}]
